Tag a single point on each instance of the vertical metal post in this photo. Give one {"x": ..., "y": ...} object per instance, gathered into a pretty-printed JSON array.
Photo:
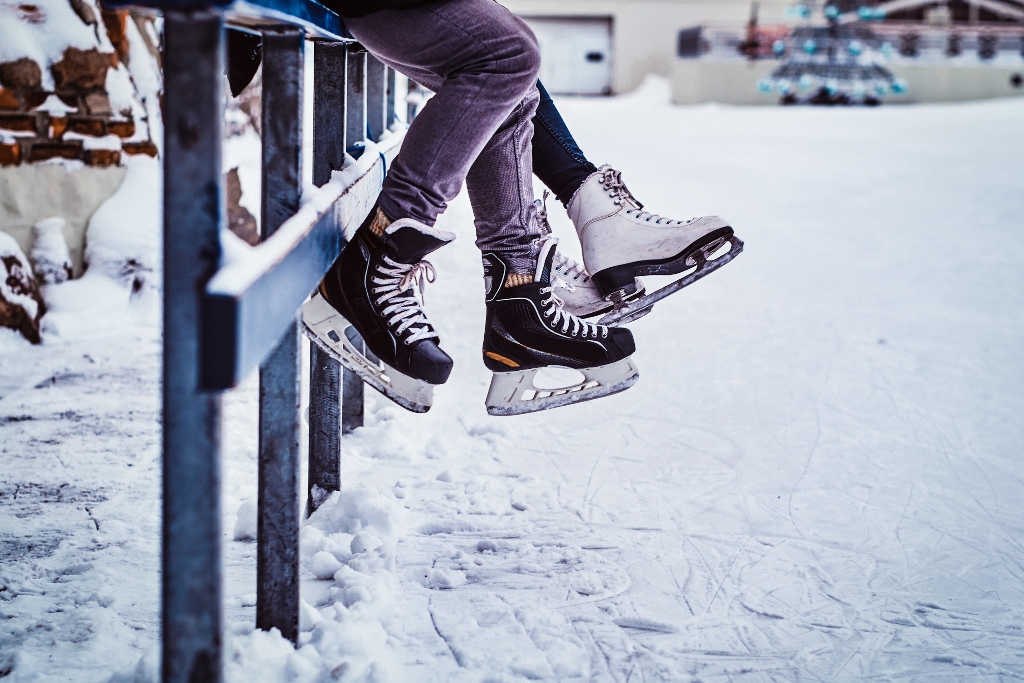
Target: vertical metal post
[
  {"x": 193, "y": 214},
  {"x": 352, "y": 395},
  {"x": 355, "y": 132},
  {"x": 329, "y": 66},
  {"x": 277, "y": 561},
  {"x": 355, "y": 100},
  {"x": 376, "y": 97},
  {"x": 389, "y": 112},
  {"x": 329, "y": 69}
]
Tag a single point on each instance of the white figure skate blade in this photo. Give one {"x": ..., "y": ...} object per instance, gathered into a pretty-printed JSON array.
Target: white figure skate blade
[
  {"x": 642, "y": 306},
  {"x": 326, "y": 328},
  {"x": 514, "y": 393}
]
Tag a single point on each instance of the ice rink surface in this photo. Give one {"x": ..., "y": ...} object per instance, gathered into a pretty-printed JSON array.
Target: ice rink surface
[{"x": 817, "y": 478}]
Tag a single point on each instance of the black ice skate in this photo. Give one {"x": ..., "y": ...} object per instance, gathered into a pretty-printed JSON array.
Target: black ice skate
[
  {"x": 622, "y": 242},
  {"x": 375, "y": 289},
  {"x": 528, "y": 329}
]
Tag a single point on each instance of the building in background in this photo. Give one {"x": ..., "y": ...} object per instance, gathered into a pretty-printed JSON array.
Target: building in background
[
  {"x": 609, "y": 47},
  {"x": 728, "y": 51}
]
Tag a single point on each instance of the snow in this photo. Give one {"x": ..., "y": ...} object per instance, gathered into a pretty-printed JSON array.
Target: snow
[
  {"x": 17, "y": 272},
  {"x": 146, "y": 77},
  {"x": 816, "y": 477},
  {"x": 54, "y": 106},
  {"x": 123, "y": 237},
  {"x": 240, "y": 268},
  {"x": 111, "y": 142},
  {"x": 51, "y": 260},
  {"x": 45, "y": 39}
]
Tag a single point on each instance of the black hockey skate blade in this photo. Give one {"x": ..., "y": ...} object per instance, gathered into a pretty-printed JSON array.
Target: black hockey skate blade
[
  {"x": 371, "y": 362},
  {"x": 642, "y": 306}
]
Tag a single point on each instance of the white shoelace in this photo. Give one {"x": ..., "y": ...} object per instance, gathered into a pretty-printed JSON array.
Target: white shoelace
[
  {"x": 403, "y": 286},
  {"x": 568, "y": 268},
  {"x": 618, "y": 191},
  {"x": 557, "y": 313}
]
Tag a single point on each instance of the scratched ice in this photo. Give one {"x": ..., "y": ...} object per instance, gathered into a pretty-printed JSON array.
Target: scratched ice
[{"x": 817, "y": 476}]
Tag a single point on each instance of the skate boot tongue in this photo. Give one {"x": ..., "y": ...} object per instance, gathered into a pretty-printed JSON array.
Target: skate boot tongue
[
  {"x": 545, "y": 261},
  {"x": 409, "y": 241}
]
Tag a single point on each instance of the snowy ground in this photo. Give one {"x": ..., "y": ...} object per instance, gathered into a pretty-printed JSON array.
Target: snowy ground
[{"x": 816, "y": 478}]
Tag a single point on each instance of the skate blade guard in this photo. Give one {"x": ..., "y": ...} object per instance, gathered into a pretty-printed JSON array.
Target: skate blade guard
[
  {"x": 702, "y": 265},
  {"x": 514, "y": 393},
  {"x": 327, "y": 328}
]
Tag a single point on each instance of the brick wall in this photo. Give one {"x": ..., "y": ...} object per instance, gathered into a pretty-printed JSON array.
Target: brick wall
[{"x": 71, "y": 120}]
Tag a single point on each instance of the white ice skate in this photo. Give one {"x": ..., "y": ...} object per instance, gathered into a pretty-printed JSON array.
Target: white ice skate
[
  {"x": 574, "y": 284},
  {"x": 621, "y": 241}
]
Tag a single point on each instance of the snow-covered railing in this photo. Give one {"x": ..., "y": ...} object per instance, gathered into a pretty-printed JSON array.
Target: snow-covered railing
[
  {"x": 226, "y": 313},
  {"x": 252, "y": 298}
]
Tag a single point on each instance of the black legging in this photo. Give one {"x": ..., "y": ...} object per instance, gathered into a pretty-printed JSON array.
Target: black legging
[{"x": 557, "y": 159}]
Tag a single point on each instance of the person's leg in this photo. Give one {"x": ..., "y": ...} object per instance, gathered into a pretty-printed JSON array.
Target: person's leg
[
  {"x": 500, "y": 186},
  {"x": 557, "y": 160},
  {"x": 480, "y": 60}
]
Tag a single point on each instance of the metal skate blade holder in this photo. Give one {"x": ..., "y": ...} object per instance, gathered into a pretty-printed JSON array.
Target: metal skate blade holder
[
  {"x": 619, "y": 303},
  {"x": 704, "y": 263},
  {"x": 515, "y": 393},
  {"x": 329, "y": 330}
]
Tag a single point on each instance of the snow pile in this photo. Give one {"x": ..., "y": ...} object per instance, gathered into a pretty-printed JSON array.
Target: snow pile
[
  {"x": 246, "y": 521},
  {"x": 349, "y": 541},
  {"x": 120, "y": 287},
  {"x": 123, "y": 238},
  {"x": 51, "y": 260}
]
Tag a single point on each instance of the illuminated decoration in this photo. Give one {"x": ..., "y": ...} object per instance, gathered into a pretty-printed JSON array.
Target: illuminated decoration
[{"x": 838, "y": 63}]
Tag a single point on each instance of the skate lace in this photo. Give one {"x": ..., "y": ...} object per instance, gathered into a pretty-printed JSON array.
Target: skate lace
[
  {"x": 568, "y": 268},
  {"x": 580, "y": 328},
  {"x": 402, "y": 285},
  {"x": 617, "y": 190}
]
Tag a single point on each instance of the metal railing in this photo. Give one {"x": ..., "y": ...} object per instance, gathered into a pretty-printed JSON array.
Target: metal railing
[{"x": 222, "y": 320}]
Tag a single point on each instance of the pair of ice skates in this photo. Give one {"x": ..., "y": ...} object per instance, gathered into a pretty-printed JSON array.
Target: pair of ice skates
[{"x": 375, "y": 291}]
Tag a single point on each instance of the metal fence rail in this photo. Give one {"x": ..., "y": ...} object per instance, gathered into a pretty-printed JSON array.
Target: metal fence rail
[{"x": 222, "y": 320}]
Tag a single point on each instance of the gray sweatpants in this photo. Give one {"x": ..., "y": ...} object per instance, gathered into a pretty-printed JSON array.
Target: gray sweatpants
[{"x": 482, "y": 62}]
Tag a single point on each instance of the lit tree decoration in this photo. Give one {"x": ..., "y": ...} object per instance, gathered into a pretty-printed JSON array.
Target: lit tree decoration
[{"x": 839, "y": 63}]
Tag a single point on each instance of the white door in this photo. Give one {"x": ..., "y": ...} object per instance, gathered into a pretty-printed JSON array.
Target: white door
[{"x": 575, "y": 54}]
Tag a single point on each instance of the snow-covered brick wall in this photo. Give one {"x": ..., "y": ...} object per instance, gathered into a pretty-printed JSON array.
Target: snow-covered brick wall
[
  {"x": 21, "y": 306},
  {"x": 77, "y": 82}
]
